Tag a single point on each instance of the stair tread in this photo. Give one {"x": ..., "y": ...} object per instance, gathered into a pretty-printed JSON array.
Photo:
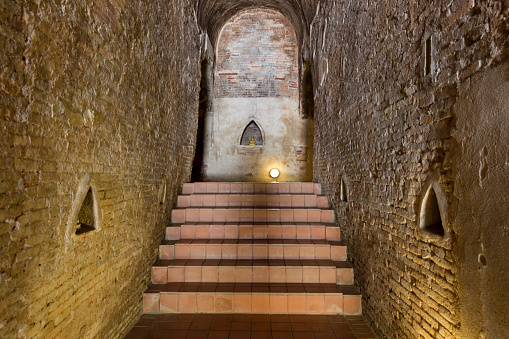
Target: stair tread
[
  {"x": 254, "y": 208},
  {"x": 296, "y": 288},
  {"x": 254, "y": 224},
  {"x": 253, "y": 242},
  {"x": 252, "y": 182},
  {"x": 305, "y": 187},
  {"x": 251, "y": 194},
  {"x": 254, "y": 262}
]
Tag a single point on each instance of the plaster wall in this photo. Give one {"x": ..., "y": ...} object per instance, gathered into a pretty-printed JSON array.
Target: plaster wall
[
  {"x": 482, "y": 192},
  {"x": 282, "y": 129}
]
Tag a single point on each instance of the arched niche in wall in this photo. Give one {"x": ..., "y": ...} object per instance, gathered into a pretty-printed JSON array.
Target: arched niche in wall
[
  {"x": 433, "y": 211},
  {"x": 343, "y": 189},
  {"x": 252, "y": 135},
  {"x": 85, "y": 215},
  {"x": 251, "y": 139},
  {"x": 256, "y": 78},
  {"x": 161, "y": 194}
]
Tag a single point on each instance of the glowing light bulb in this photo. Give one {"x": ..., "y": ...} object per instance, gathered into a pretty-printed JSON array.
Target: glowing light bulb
[{"x": 274, "y": 173}]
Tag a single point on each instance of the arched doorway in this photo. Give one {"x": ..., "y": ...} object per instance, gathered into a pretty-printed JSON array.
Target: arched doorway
[{"x": 256, "y": 78}]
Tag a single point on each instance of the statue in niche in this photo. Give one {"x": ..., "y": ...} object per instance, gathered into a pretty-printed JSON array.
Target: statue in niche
[{"x": 252, "y": 135}]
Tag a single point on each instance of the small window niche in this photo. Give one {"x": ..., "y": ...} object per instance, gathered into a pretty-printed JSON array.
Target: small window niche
[
  {"x": 85, "y": 212},
  {"x": 432, "y": 213},
  {"x": 428, "y": 54},
  {"x": 86, "y": 222},
  {"x": 343, "y": 190},
  {"x": 251, "y": 140},
  {"x": 162, "y": 194}
]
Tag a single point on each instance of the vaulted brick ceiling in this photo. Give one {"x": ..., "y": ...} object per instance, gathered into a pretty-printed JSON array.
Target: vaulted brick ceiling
[{"x": 213, "y": 14}]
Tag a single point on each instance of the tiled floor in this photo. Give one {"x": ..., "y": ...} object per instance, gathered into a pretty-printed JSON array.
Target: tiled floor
[{"x": 249, "y": 326}]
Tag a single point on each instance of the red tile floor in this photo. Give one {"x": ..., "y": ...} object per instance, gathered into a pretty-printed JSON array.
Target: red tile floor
[{"x": 249, "y": 326}]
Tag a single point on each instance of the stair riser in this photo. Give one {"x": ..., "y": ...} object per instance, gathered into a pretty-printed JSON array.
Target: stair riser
[
  {"x": 262, "y": 303},
  {"x": 251, "y": 215},
  {"x": 262, "y": 274},
  {"x": 252, "y": 188},
  {"x": 249, "y": 252},
  {"x": 257, "y": 201},
  {"x": 253, "y": 232}
]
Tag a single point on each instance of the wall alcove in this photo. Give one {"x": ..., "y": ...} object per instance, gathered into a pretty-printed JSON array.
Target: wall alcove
[
  {"x": 252, "y": 139},
  {"x": 252, "y": 135},
  {"x": 430, "y": 215},
  {"x": 86, "y": 222},
  {"x": 343, "y": 190},
  {"x": 85, "y": 215}
]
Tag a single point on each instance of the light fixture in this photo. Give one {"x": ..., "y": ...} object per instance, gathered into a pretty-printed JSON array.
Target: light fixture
[{"x": 274, "y": 173}]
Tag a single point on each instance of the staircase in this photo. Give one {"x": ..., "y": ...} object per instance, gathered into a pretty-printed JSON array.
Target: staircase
[{"x": 252, "y": 248}]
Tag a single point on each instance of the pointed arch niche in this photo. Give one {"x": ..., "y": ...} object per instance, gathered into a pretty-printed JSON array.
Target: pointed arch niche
[
  {"x": 251, "y": 139},
  {"x": 252, "y": 135},
  {"x": 85, "y": 213},
  {"x": 433, "y": 212}
]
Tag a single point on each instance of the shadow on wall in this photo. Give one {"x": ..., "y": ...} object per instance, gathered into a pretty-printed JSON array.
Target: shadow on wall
[{"x": 199, "y": 170}]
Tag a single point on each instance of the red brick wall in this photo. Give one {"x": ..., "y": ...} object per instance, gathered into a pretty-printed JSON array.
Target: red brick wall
[{"x": 257, "y": 56}]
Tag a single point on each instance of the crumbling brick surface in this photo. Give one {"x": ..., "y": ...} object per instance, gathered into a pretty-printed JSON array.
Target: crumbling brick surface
[
  {"x": 256, "y": 57},
  {"x": 385, "y": 125},
  {"x": 110, "y": 88},
  {"x": 105, "y": 87}
]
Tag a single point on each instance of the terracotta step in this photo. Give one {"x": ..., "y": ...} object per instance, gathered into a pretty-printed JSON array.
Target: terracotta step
[
  {"x": 251, "y": 215},
  {"x": 250, "y": 188},
  {"x": 252, "y": 298},
  {"x": 252, "y": 249},
  {"x": 261, "y": 271},
  {"x": 253, "y": 231},
  {"x": 252, "y": 200}
]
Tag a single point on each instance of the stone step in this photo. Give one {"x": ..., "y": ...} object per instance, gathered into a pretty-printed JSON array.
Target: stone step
[
  {"x": 253, "y": 231},
  {"x": 252, "y": 200},
  {"x": 249, "y": 271},
  {"x": 252, "y": 249},
  {"x": 298, "y": 298},
  {"x": 251, "y": 215},
  {"x": 250, "y": 188}
]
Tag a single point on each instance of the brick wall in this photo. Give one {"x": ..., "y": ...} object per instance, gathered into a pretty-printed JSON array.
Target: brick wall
[
  {"x": 256, "y": 56},
  {"x": 105, "y": 87},
  {"x": 386, "y": 126}
]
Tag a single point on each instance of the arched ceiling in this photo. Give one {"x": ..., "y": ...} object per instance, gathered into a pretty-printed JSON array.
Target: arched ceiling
[{"x": 213, "y": 14}]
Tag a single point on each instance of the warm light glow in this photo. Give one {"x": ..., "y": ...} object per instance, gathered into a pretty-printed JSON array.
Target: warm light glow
[{"x": 274, "y": 173}]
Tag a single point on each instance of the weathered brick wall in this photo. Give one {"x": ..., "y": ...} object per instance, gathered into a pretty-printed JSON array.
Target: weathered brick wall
[
  {"x": 386, "y": 126},
  {"x": 107, "y": 87},
  {"x": 256, "y": 56}
]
